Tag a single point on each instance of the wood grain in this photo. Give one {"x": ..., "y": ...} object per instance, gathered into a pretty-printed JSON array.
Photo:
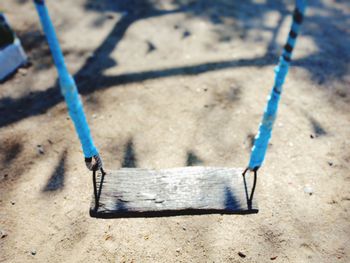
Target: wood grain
[{"x": 133, "y": 192}]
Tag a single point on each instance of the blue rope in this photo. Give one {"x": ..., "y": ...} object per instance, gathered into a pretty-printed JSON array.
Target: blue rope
[
  {"x": 67, "y": 83},
  {"x": 75, "y": 107},
  {"x": 262, "y": 139}
]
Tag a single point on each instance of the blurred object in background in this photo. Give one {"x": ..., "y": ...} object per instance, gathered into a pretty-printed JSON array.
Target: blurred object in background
[{"x": 12, "y": 55}]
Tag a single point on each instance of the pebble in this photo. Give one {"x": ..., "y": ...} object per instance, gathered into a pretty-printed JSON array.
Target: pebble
[
  {"x": 241, "y": 254},
  {"x": 33, "y": 252},
  {"x": 184, "y": 228},
  {"x": 3, "y": 234},
  {"x": 186, "y": 33},
  {"x": 23, "y": 71},
  {"x": 308, "y": 190},
  {"x": 151, "y": 47},
  {"x": 40, "y": 149},
  {"x": 90, "y": 55},
  {"x": 110, "y": 16},
  {"x": 273, "y": 258},
  {"x": 178, "y": 250},
  {"x": 13, "y": 202}
]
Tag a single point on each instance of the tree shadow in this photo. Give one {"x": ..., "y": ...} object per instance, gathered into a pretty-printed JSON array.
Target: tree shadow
[
  {"x": 317, "y": 128},
  {"x": 33, "y": 42},
  {"x": 193, "y": 159},
  {"x": 328, "y": 63},
  {"x": 56, "y": 180},
  {"x": 231, "y": 203},
  {"x": 329, "y": 32},
  {"x": 15, "y": 159},
  {"x": 10, "y": 152},
  {"x": 37, "y": 103},
  {"x": 129, "y": 160}
]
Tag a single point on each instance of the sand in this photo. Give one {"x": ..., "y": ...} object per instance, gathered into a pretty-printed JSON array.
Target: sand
[{"x": 176, "y": 83}]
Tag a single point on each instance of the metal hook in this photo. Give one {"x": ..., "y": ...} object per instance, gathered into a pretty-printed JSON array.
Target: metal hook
[
  {"x": 94, "y": 166},
  {"x": 97, "y": 193},
  {"x": 250, "y": 199}
]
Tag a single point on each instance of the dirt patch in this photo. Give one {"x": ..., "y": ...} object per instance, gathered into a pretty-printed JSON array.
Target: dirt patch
[{"x": 178, "y": 83}]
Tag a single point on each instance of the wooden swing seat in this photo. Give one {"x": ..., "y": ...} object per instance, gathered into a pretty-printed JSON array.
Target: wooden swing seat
[{"x": 136, "y": 192}]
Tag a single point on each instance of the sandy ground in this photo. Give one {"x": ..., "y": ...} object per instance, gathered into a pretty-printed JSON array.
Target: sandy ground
[{"x": 176, "y": 83}]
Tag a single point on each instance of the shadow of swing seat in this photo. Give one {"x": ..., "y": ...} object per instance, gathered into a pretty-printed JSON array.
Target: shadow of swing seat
[{"x": 137, "y": 192}]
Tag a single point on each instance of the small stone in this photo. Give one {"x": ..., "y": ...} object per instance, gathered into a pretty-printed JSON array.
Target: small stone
[
  {"x": 23, "y": 71},
  {"x": 94, "y": 116},
  {"x": 3, "y": 234},
  {"x": 13, "y": 202},
  {"x": 273, "y": 258},
  {"x": 308, "y": 190},
  {"x": 33, "y": 252},
  {"x": 311, "y": 136},
  {"x": 40, "y": 149},
  {"x": 186, "y": 33},
  {"x": 184, "y": 228},
  {"x": 241, "y": 254},
  {"x": 332, "y": 202},
  {"x": 178, "y": 250},
  {"x": 330, "y": 163},
  {"x": 150, "y": 47},
  {"x": 90, "y": 55}
]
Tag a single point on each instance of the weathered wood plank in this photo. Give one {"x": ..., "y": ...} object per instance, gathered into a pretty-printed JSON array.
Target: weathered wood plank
[{"x": 132, "y": 192}]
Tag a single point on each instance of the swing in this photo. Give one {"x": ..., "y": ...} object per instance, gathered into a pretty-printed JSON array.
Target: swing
[{"x": 134, "y": 192}]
